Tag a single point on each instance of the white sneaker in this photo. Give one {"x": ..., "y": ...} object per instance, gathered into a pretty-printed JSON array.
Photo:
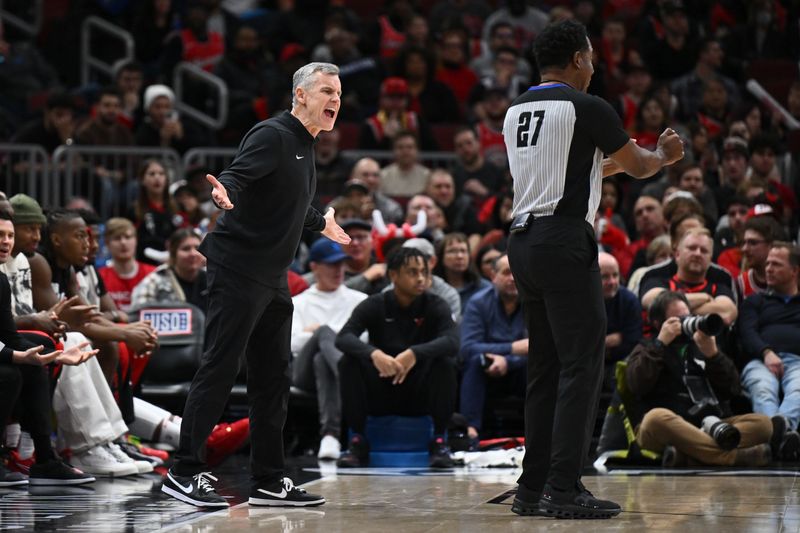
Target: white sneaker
[
  {"x": 143, "y": 467},
  {"x": 98, "y": 461},
  {"x": 329, "y": 448}
]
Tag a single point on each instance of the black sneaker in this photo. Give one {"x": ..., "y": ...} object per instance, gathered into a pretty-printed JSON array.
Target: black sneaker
[
  {"x": 439, "y": 454},
  {"x": 195, "y": 490},
  {"x": 357, "y": 454},
  {"x": 11, "y": 479},
  {"x": 785, "y": 443},
  {"x": 56, "y": 472},
  {"x": 283, "y": 493},
  {"x": 789, "y": 449},
  {"x": 526, "y": 502},
  {"x": 577, "y": 503}
]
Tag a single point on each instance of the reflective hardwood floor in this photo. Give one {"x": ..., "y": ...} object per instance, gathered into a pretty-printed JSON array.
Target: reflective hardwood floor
[{"x": 419, "y": 500}]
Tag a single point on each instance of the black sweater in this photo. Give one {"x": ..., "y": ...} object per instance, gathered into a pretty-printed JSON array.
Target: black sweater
[
  {"x": 271, "y": 183},
  {"x": 769, "y": 320},
  {"x": 426, "y": 326},
  {"x": 9, "y": 338}
]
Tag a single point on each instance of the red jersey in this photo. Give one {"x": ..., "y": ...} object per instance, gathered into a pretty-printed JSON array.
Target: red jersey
[
  {"x": 120, "y": 288},
  {"x": 493, "y": 146}
]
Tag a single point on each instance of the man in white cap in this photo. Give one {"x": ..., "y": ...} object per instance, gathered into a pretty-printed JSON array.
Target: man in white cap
[{"x": 163, "y": 127}]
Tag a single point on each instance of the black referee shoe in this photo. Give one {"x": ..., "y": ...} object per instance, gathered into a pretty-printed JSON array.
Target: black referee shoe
[
  {"x": 283, "y": 493},
  {"x": 526, "y": 502},
  {"x": 576, "y": 503},
  {"x": 195, "y": 490}
]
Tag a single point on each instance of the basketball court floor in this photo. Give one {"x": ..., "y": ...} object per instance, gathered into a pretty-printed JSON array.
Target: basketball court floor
[{"x": 416, "y": 500}]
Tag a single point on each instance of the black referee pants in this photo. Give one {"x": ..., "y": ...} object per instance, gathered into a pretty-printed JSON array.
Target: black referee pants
[
  {"x": 250, "y": 318},
  {"x": 558, "y": 278}
]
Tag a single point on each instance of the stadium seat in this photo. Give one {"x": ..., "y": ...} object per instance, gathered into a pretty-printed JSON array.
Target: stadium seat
[{"x": 181, "y": 329}]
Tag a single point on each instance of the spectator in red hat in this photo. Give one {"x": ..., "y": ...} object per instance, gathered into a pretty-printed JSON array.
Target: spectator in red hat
[{"x": 393, "y": 116}]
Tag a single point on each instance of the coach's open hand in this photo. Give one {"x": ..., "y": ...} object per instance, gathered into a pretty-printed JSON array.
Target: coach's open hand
[
  {"x": 219, "y": 194},
  {"x": 332, "y": 230}
]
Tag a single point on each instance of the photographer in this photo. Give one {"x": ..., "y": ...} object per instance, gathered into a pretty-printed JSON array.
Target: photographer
[{"x": 681, "y": 383}]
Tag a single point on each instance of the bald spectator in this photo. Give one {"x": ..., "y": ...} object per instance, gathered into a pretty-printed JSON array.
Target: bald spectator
[
  {"x": 458, "y": 211},
  {"x": 368, "y": 171},
  {"x": 624, "y": 315},
  {"x": 405, "y": 177}
]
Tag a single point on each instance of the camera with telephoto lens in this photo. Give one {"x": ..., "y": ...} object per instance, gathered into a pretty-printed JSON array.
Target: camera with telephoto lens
[{"x": 711, "y": 325}]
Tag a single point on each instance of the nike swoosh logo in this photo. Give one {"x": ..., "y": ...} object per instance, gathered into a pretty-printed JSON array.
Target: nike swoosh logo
[
  {"x": 281, "y": 494},
  {"x": 187, "y": 489},
  {"x": 299, "y": 156}
]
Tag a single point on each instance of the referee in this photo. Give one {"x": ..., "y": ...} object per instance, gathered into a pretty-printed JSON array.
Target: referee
[
  {"x": 556, "y": 136},
  {"x": 271, "y": 182}
]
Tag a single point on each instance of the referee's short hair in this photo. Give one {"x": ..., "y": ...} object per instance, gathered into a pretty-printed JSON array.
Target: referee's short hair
[{"x": 557, "y": 44}]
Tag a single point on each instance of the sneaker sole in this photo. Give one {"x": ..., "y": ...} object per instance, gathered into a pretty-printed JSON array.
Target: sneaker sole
[
  {"x": 124, "y": 473},
  {"x": 19, "y": 483},
  {"x": 56, "y": 482},
  {"x": 571, "y": 512},
  {"x": 284, "y": 503},
  {"x": 186, "y": 499}
]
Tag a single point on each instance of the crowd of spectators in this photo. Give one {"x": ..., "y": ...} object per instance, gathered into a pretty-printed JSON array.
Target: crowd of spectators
[{"x": 427, "y": 84}]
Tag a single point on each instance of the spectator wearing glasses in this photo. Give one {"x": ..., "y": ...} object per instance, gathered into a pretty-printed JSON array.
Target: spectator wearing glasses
[
  {"x": 759, "y": 234},
  {"x": 455, "y": 267}
]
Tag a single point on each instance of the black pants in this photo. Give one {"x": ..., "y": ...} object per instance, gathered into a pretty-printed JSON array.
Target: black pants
[
  {"x": 25, "y": 393},
  {"x": 555, "y": 267},
  {"x": 250, "y": 318},
  {"x": 429, "y": 389}
]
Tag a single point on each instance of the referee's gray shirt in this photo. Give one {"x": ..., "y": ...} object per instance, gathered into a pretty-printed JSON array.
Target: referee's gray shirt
[{"x": 555, "y": 139}]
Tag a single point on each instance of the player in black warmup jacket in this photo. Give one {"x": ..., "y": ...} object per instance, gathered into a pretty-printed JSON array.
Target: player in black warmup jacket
[
  {"x": 266, "y": 192},
  {"x": 555, "y": 137}
]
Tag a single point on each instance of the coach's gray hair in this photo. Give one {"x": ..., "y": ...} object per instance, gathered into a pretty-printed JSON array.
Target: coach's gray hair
[{"x": 302, "y": 77}]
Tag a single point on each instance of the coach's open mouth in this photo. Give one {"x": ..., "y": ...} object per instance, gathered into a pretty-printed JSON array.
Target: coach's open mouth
[{"x": 330, "y": 112}]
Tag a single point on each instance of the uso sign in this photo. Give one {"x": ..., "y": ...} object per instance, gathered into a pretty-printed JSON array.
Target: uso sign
[{"x": 168, "y": 321}]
